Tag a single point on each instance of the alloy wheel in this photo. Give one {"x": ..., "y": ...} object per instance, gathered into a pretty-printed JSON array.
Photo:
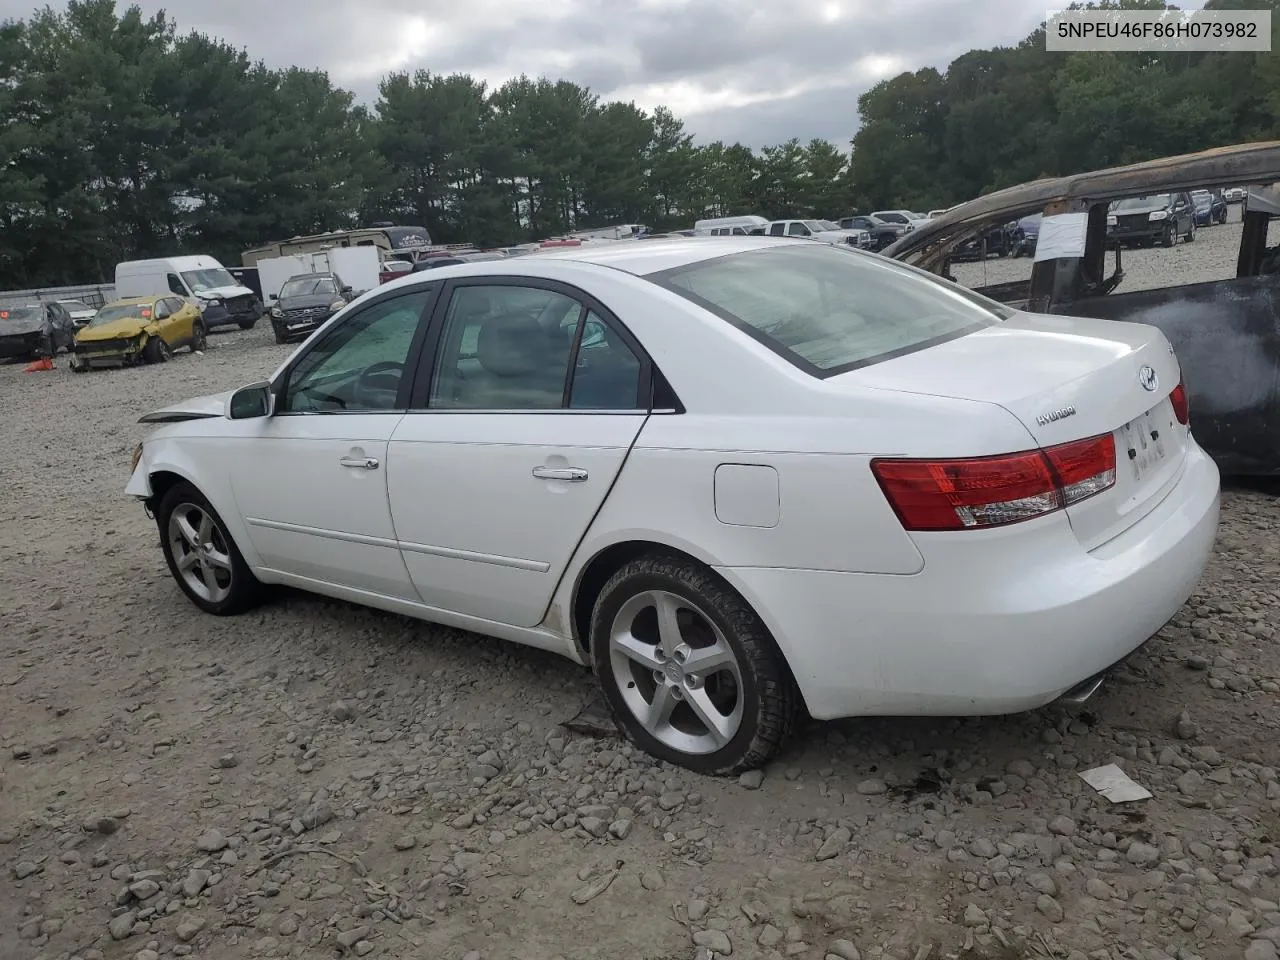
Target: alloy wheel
[
  {"x": 676, "y": 672},
  {"x": 200, "y": 552}
]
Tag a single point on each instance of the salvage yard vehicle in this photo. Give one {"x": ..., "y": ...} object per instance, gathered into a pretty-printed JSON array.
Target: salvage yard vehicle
[
  {"x": 882, "y": 232},
  {"x": 138, "y": 330},
  {"x": 1163, "y": 218},
  {"x": 222, "y": 300},
  {"x": 305, "y": 302},
  {"x": 824, "y": 231},
  {"x": 1210, "y": 207},
  {"x": 35, "y": 330},
  {"x": 81, "y": 312},
  {"x": 740, "y": 477},
  {"x": 1226, "y": 332}
]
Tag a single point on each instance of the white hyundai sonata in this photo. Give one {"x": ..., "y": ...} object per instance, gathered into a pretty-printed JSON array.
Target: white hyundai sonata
[{"x": 741, "y": 478}]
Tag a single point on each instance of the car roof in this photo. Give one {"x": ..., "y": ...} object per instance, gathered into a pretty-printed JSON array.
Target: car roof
[
  {"x": 642, "y": 259},
  {"x": 1222, "y": 166}
]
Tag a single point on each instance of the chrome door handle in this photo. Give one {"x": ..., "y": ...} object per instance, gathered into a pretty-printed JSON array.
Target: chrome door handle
[
  {"x": 572, "y": 474},
  {"x": 360, "y": 463}
]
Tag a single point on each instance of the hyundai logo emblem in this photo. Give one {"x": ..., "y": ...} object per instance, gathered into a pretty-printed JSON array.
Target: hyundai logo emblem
[{"x": 1147, "y": 377}]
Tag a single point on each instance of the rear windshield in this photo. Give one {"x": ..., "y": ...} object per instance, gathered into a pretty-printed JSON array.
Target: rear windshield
[
  {"x": 118, "y": 311},
  {"x": 21, "y": 314},
  {"x": 829, "y": 310}
]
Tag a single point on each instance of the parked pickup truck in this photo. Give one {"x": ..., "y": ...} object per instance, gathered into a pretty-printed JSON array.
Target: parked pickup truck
[{"x": 823, "y": 230}]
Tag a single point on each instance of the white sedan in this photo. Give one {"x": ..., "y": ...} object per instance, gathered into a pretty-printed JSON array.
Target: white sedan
[{"x": 741, "y": 478}]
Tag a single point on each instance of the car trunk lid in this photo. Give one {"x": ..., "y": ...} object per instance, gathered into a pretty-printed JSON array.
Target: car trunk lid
[{"x": 1066, "y": 379}]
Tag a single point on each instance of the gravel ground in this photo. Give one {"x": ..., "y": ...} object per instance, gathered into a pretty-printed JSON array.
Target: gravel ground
[{"x": 318, "y": 780}]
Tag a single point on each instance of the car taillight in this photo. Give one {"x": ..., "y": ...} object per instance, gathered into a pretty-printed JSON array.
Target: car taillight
[
  {"x": 1181, "y": 407},
  {"x": 978, "y": 492}
]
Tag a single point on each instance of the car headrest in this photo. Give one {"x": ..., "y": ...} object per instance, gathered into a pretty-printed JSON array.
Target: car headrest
[{"x": 512, "y": 346}]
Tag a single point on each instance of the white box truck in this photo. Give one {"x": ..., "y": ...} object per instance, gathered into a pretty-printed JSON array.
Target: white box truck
[{"x": 200, "y": 279}]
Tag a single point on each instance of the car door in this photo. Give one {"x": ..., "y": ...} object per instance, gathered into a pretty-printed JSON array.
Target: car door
[
  {"x": 310, "y": 480},
  {"x": 534, "y": 397},
  {"x": 184, "y": 318}
]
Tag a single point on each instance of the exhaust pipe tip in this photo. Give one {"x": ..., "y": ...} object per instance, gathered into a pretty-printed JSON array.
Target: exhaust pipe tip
[{"x": 1082, "y": 692}]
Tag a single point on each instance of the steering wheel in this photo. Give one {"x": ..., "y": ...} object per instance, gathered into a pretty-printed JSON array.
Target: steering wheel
[{"x": 378, "y": 385}]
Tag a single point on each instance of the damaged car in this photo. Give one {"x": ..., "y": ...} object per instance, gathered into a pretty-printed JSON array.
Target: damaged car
[
  {"x": 138, "y": 330},
  {"x": 1225, "y": 333},
  {"x": 35, "y": 330}
]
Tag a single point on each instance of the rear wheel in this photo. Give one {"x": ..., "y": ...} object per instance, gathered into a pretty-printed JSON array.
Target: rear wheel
[
  {"x": 199, "y": 337},
  {"x": 156, "y": 351},
  {"x": 201, "y": 555},
  {"x": 689, "y": 672}
]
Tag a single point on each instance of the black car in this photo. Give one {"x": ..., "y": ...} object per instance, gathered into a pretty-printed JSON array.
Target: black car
[
  {"x": 1158, "y": 218},
  {"x": 35, "y": 330},
  {"x": 306, "y": 301},
  {"x": 882, "y": 232}
]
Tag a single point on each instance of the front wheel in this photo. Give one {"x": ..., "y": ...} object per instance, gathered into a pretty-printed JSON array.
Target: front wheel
[
  {"x": 689, "y": 672},
  {"x": 199, "y": 337},
  {"x": 201, "y": 555},
  {"x": 247, "y": 324},
  {"x": 1170, "y": 236},
  {"x": 156, "y": 351},
  {"x": 1191, "y": 232}
]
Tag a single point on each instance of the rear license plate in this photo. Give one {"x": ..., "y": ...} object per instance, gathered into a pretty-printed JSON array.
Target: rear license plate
[{"x": 1141, "y": 443}]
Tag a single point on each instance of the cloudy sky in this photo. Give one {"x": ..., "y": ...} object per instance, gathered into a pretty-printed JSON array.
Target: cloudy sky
[{"x": 755, "y": 71}]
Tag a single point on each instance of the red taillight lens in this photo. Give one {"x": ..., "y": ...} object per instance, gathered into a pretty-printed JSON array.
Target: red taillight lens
[
  {"x": 1181, "y": 408},
  {"x": 964, "y": 494}
]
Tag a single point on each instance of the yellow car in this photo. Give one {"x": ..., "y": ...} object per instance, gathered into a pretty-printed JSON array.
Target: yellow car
[{"x": 138, "y": 330}]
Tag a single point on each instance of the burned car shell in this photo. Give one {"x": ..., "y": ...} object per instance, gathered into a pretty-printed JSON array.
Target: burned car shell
[{"x": 1226, "y": 333}]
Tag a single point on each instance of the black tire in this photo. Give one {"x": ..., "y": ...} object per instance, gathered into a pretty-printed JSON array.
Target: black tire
[
  {"x": 199, "y": 337},
  {"x": 246, "y": 590},
  {"x": 1170, "y": 236},
  {"x": 770, "y": 699},
  {"x": 1191, "y": 232},
  {"x": 156, "y": 351},
  {"x": 280, "y": 337},
  {"x": 77, "y": 366},
  {"x": 246, "y": 324}
]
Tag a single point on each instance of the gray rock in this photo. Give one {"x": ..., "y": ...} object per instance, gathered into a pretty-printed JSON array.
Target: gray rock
[
  {"x": 405, "y": 843},
  {"x": 1184, "y": 728},
  {"x": 1190, "y": 783},
  {"x": 144, "y": 889},
  {"x": 620, "y": 829},
  {"x": 1050, "y": 907},
  {"x": 1021, "y": 768},
  {"x": 1140, "y": 853},
  {"x": 188, "y": 928},
  {"x": 120, "y": 927},
  {"x": 594, "y": 826},
  {"x": 717, "y": 941},
  {"x": 362, "y": 948},
  {"x": 844, "y": 949},
  {"x": 652, "y": 880},
  {"x": 227, "y": 761},
  {"x": 316, "y": 815},
  {"x": 670, "y": 800},
  {"x": 835, "y": 843},
  {"x": 195, "y": 881},
  {"x": 25, "y": 868},
  {"x": 349, "y": 938},
  {"x": 983, "y": 848},
  {"x": 770, "y": 936},
  {"x": 974, "y": 916},
  {"x": 698, "y": 909},
  {"x": 342, "y": 712},
  {"x": 1043, "y": 883},
  {"x": 211, "y": 841},
  {"x": 1062, "y": 826},
  {"x": 106, "y": 825},
  {"x": 1260, "y": 950},
  {"x": 751, "y": 779},
  {"x": 872, "y": 788}
]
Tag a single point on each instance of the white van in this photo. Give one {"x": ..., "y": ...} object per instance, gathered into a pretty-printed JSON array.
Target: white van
[
  {"x": 728, "y": 226},
  {"x": 202, "y": 280}
]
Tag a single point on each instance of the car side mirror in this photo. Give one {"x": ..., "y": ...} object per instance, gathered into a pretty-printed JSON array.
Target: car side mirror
[
  {"x": 273, "y": 296},
  {"x": 253, "y": 401}
]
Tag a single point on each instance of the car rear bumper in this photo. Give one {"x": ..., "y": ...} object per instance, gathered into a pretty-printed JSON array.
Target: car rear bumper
[{"x": 998, "y": 621}]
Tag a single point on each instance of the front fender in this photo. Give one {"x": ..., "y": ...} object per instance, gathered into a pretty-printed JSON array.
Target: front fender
[{"x": 170, "y": 455}]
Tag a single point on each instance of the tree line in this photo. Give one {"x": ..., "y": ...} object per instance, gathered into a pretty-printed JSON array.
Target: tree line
[{"x": 122, "y": 138}]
